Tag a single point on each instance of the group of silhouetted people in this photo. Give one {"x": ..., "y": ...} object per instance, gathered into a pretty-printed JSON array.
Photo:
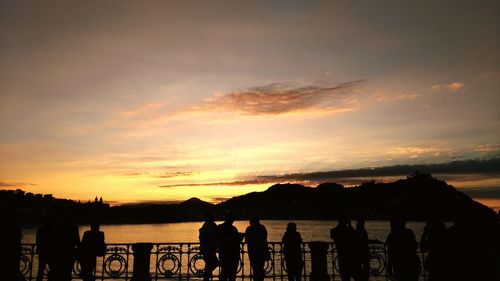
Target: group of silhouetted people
[
  {"x": 58, "y": 245},
  {"x": 468, "y": 250},
  {"x": 226, "y": 239},
  {"x": 352, "y": 249},
  {"x": 465, "y": 251}
]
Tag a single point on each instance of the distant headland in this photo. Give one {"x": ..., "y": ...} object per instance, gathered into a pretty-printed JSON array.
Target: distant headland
[{"x": 418, "y": 197}]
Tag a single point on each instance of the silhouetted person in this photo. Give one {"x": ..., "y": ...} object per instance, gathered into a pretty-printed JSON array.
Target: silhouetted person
[
  {"x": 403, "y": 261},
  {"x": 346, "y": 242},
  {"x": 10, "y": 247},
  {"x": 292, "y": 250},
  {"x": 364, "y": 250},
  {"x": 208, "y": 245},
  {"x": 44, "y": 241},
  {"x": 229, "y": 240},
  {"x": 473, "y": 254},
  {"x": 258, "y": 252},
  {"x": 90, "y": 248},
  {"x": 66, "y": 241},
  {"x": 435, "y": 242}
]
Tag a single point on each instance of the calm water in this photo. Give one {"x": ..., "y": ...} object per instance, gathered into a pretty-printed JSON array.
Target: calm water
[{"x": 188, "y": 231}]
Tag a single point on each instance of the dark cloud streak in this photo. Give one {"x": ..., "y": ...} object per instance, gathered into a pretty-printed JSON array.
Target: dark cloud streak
[{"x": 483, "y": 168}]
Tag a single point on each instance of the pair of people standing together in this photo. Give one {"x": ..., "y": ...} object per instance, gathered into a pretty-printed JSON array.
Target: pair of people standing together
[
  {"x": 226, "y": 239},
  {"x": 59, "y": 244}
]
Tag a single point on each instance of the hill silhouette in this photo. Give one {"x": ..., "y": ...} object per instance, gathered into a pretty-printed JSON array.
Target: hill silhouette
[{"x": 417, "y": 197}]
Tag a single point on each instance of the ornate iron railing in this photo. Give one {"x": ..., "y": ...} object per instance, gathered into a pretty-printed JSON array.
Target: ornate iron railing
[{"x": 183, "y": 261}]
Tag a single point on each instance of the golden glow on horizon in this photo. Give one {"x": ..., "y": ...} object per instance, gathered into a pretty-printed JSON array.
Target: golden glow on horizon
[{"x": 209, "y": 94}]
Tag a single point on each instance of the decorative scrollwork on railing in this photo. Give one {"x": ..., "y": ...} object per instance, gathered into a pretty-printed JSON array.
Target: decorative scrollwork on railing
[
  {"x": 169, "y": 249},
  {"x": 25, "y": 264},
  {"x": 194, "y": 249},
  {"x": 377, "y": 260},
  {"x": 77, "y": 268},
  {"x": 168, "y": 264},
  {"x": 184, "y": 261},
  {"x": 268, "y": 266},
  {"x": 116, "y": 249},
  {"x": 115, "y": 265},
  {"x": 197, "y": 265}
]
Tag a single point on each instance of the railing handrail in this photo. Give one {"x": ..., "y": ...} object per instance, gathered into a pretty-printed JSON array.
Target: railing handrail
[{"x": 183, "y": 260}]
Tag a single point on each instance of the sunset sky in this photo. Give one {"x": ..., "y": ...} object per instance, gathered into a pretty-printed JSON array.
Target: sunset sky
[{"x": 167, "y": 100}]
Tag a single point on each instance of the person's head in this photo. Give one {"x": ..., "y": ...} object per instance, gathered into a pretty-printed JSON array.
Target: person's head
[
  {"x": 208, "y": 217},
  {"x": 229, "y": 218},
  {"x": 398, "y": 224},
  {"x": 254, "y": 221},
  {"x": 94, "y": 226},
  {"x": 50, "y": 219},
  {"x": 344, "y": 221},
  {"x": 360, "y": 223},
  {"x": 291, "y": 227}
]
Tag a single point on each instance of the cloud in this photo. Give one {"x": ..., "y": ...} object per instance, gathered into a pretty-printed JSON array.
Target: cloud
[
  {"x": 452, "y": 87},
  {"x": 418, "y": 151},
  {"x": 487, "y": 148},
  {"x": 482, "y": 193},
  {"x": 4, "y": 184},
  {"x": 164, "y": 175},
  {"x": 145, "y": 109},
  {"x": 484, "y": 168},
  {"x": 278, "y": 98}
]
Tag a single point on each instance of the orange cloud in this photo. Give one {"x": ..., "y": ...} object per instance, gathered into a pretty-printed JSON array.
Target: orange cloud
[
  {"x": 145, "y": 109},
  {"x": 277, "y": 99},
  {"x": 452, "y": 87},
  {"x": 486, "y": 148}
]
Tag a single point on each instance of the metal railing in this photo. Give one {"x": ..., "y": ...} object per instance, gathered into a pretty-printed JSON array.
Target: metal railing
[{"x": 183, "y": 261}]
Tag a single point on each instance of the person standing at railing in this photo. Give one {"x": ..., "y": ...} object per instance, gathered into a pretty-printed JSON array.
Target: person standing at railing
[
  {"x": 43, "y": 245},
  {"x": 258, "y": 251},
  {"x": 229, "y": 240},
  {"x": 208, "y": 245},
  {"x": 435, "y": 242},
  {"x": 292, "y": 250},
  {"x": 403, "y": 262},
  {"x": 91, "y": 247},
  {"x": 64, "y": 244},
  {"x": 10, "y": 246},
  {"x": 364, "y": 250},
  {"x": 347, "y": 245}
]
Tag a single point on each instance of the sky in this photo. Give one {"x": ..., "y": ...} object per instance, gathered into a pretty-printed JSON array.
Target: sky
[{"x": 165, "y": 100}]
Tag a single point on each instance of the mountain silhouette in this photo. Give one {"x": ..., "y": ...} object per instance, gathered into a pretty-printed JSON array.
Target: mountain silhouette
[{"x": 417, "y": 197}]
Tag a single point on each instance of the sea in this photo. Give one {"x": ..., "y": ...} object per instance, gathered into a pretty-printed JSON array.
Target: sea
[{"x": 188, "y": 231}]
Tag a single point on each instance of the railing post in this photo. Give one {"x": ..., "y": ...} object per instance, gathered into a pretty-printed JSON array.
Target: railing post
[
  {"x": 142, "y": 257},
  {"x": 319, "y": 269}
]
